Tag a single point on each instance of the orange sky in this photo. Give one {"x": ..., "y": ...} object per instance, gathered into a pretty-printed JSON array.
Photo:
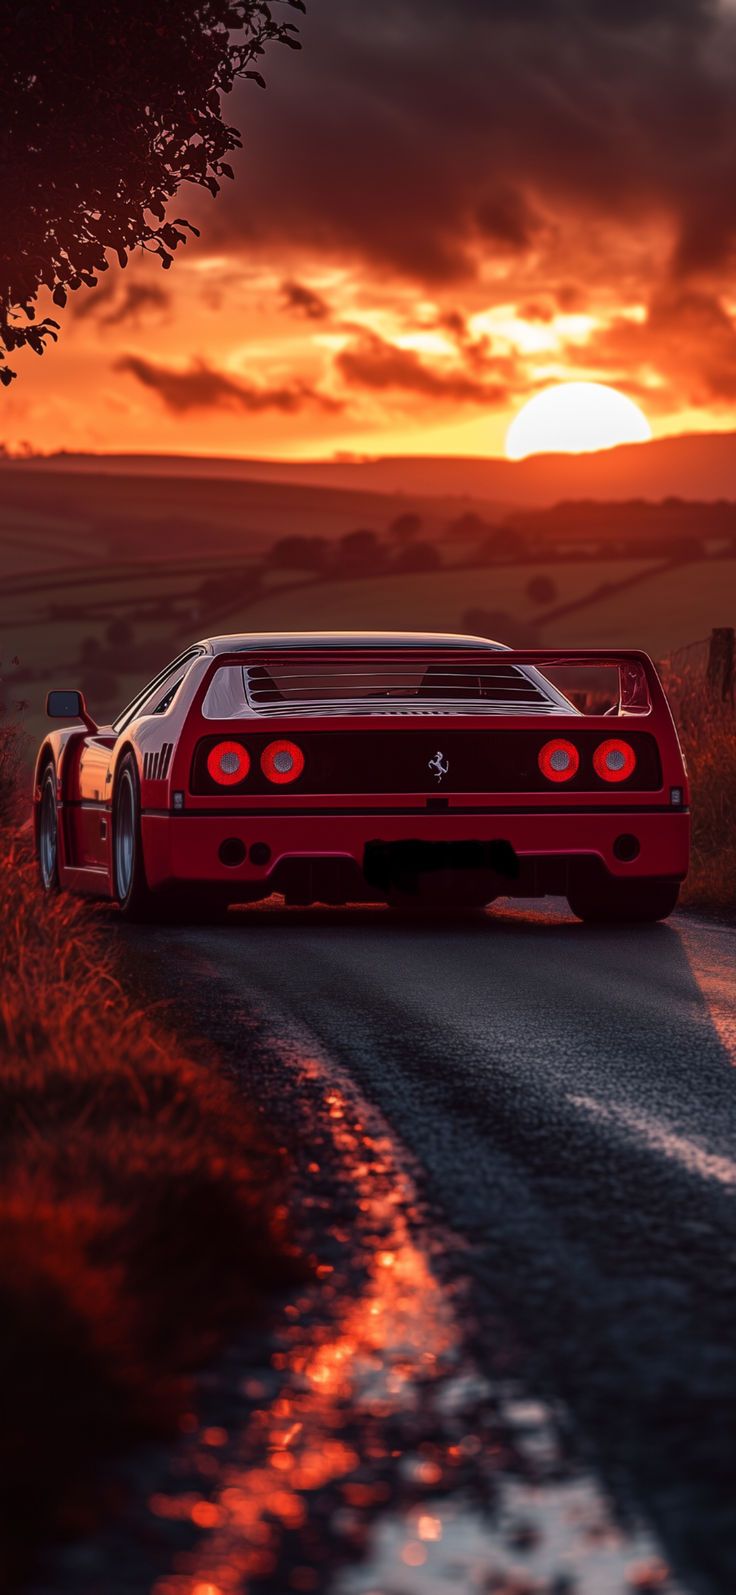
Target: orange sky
[{"x": 415, "y": 244}]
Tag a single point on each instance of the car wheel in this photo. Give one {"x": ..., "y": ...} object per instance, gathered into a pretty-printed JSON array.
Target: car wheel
[
  {"x": 129, "y": 877},
  {"x": 618, "y": 902},
  {"x": 48, "y": 832}
]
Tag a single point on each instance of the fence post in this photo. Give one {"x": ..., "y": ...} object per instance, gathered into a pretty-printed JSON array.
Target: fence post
[{"x": 722, "y": 662}]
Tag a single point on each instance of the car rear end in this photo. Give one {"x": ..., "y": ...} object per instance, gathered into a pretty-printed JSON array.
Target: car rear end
[{"x": 354, "y": 773}]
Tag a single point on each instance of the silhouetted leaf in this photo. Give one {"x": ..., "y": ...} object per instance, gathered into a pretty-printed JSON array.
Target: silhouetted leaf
[{"x": 120, "y": 115}]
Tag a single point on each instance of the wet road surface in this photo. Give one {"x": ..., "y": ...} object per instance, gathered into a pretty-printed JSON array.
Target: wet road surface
[{"x": 516, "y": 1373}]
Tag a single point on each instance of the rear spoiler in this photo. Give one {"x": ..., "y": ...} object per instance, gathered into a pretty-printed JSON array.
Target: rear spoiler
[{"x": 639, "y": 683}]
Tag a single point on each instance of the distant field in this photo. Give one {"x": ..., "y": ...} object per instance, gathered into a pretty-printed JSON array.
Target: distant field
[
  {"x": 30, "y": 541},
  {"x": 664, "y": 613},
  {"x": 169, "y": 559},
  {"x": 658, "y": 613},
  {"x": 164, "y": 517},
  {"x": 435, "y": 601},
  {"x": 48, "y": 629}
]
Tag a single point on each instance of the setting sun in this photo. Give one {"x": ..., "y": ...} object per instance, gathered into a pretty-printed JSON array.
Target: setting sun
[{"x": 574, "y": 418}]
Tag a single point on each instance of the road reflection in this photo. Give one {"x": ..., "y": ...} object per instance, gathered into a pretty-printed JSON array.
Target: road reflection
[{"x": 377, "y": 1460}]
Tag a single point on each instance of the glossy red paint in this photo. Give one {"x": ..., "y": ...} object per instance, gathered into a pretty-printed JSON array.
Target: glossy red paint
[{"x": 558, "y": 831}]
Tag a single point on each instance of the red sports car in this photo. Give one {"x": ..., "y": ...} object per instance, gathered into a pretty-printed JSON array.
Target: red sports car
[{"x": 406, "y": 768}]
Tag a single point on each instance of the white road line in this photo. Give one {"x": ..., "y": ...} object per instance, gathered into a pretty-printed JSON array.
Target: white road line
[{"x": 658, "y": 1138}]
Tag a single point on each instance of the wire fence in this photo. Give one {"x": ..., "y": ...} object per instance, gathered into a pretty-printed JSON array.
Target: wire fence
[
  {"x": 691, "y": 655},
  {"x": 709, "y": 660}
]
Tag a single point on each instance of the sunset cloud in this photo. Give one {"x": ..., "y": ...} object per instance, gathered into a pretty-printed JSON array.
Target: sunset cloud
[
  {"x": 202, "y": 388},
  {"x": 116, "y": 304},
  {"x": 479, "y": 130},
  {"x": 297, "y": 296},
  {"x": 372, "y": 362},
  {"x": 441, "y": 208},
  {"x": 682, "y": 350}
]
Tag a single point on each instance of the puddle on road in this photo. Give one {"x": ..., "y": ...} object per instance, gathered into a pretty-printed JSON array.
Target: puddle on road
[{"x": 377, "y": 1460}]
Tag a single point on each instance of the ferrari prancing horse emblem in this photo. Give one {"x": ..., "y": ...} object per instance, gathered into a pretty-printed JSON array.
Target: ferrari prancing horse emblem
[{"x": 439, "y": 764}]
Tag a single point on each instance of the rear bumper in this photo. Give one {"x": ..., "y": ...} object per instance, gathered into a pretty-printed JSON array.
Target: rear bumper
[{"x": 182, "y": 848}]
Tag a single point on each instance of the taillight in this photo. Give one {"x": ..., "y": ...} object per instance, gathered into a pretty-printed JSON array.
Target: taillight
[
  {"x": 614, "y": 760},
  {"x": 282, "y": 762},
  {"x": 228, "y": 763},
  {"x": 559, "y": 760}
]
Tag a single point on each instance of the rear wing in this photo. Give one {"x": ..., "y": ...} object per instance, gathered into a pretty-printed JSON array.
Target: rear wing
[
  {"x": 639, "y": 686},
  {"x": 286, "y": 680}
]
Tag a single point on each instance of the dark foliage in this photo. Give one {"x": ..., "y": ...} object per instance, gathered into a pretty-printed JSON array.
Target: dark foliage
[
  {"x": 416, "y": 558},
  {"x": 10, "y": 760},
  {"x": 299, "y": 553},
  {"x": 359, "y": 553},
  {"x": 106, "y": 112},
  {"x": 405, "y": 527}
]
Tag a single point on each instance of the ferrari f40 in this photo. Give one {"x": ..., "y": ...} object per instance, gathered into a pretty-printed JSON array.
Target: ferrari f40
[{"x": 414, "y": 769}]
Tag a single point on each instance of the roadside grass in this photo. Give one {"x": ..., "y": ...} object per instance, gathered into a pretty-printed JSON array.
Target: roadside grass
[
  {"x": 142, "y": 1208},
  {"x": 707, "y": 728}
]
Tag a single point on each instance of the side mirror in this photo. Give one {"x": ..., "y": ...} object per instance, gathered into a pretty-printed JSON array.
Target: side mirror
[{"x": 69, "y": 706}]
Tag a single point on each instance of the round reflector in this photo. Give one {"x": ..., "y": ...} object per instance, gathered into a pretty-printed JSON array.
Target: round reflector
[
  {"x": 228, "y": 763},
  {"x": 614, "y": 760},
  {"x": 282, "y": 762},
  {"x": 559, "y": 760}
]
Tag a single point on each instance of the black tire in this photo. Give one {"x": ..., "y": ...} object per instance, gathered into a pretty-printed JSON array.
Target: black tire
[
  {"x": 130, "y": 886},
  {"x": 639, "y": 902},
  {"x": 47, "y": 835},
  {"x": 131, "y": 890}
]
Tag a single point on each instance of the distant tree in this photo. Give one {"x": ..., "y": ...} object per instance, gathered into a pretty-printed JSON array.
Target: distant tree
[
  {"x": 469, "y": 527},
  {"x": 404, "y": 528},
  {"x": 299, "y": 553},
  {"x": 359, "y": 553},
  {"x": 106, "y": 111},
  {"x": 416, "y": 557},
  {"x": 541, "y": 590}
]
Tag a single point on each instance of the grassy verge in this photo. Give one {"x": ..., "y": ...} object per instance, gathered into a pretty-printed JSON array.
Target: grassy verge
[
  {"x": 707, "y": 730},
  {"x": 141, "y": 1209}
]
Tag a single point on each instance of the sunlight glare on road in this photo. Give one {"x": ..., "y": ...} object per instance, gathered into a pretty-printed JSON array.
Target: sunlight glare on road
[{"x": 374, "y": 1441}]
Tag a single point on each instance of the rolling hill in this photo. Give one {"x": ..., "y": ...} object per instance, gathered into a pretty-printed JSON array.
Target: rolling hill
[{"x": 696, "y": 465}]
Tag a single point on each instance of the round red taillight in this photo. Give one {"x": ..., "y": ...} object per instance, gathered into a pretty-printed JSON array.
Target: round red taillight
[
  {"x": 282, "y": 762},
  {"x": 228, "y": 763},
  {"x": 614, "y": 760},
  {"x": 559, "y": 760}
]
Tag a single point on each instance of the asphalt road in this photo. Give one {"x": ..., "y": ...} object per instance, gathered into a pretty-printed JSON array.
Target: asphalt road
[{"x": 517, "y": 1135}]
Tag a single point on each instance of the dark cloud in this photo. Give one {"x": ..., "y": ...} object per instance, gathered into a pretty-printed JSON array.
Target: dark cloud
[
  {"x": 202, "y": 388},
  {"x": 434, "y": 136},
  {"x": 476, "y": 351},
  {"x": 685, "y": 349},
  {"x": 373, "y": 362},
  {"x": 297, "y": 296},
  {"x": 113, "y": 304}
]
